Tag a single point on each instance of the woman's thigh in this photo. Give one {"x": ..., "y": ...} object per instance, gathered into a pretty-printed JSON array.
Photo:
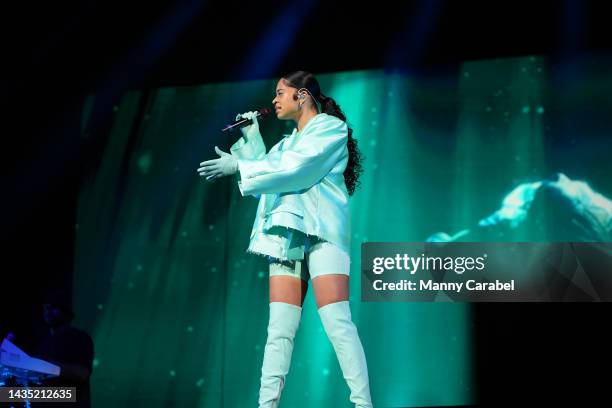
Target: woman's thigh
[
  {"x": 288, "y": 289},
  {"x": 329, "y": 268},
  {"x": 330, "y": 288}
]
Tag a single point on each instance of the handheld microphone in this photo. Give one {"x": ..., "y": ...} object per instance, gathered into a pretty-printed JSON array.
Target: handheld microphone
[{"x": 242, "y": 122}]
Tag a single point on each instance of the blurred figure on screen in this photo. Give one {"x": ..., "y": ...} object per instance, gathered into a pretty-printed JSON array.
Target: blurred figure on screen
[{"x": 556, "y": 209}]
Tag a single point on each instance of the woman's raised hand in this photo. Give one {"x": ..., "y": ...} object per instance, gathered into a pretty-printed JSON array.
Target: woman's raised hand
[{"x": 252, "y": 131}]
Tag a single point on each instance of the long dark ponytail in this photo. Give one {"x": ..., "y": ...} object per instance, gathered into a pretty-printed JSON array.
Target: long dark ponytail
[{"x": 304, "y": 79}]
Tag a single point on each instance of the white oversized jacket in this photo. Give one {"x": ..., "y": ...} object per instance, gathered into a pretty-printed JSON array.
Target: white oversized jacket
[{"x": 300, "y": 185}]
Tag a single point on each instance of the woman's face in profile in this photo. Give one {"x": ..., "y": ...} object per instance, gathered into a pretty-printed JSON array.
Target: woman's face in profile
[{"x": 285, "y": 106}]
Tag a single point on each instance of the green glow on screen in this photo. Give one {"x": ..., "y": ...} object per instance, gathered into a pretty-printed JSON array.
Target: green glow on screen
[{"x": 157, "y": 247}]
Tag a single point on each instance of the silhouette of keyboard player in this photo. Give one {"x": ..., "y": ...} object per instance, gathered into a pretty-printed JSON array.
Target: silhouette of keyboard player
[{"x": 68, "y": 347}]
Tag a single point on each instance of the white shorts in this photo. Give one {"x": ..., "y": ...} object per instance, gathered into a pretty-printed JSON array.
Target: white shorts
[{"x": 321, "y": 258}]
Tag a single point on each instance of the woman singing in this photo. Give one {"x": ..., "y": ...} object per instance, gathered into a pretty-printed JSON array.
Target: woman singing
[{"x": 302, "y": 225}]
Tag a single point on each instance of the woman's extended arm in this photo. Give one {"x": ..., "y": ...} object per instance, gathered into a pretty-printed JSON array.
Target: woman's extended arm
[{"x": 319, "y": 149}]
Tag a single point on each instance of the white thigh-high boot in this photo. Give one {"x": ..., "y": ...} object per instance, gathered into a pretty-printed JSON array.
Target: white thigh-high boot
[
  {"x": 336, "y": 319},
  {"x": 282, "y": 326}
]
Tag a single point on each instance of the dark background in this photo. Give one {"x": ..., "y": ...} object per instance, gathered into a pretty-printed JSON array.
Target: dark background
[{"x": 54, "y": 54}]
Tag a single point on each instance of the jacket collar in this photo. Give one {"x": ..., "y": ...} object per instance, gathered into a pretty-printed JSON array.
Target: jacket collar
[{"x": 295, "y": 131}]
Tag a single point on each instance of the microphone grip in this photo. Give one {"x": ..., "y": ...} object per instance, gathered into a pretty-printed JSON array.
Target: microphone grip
[{"x": 242, "y": 122}]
